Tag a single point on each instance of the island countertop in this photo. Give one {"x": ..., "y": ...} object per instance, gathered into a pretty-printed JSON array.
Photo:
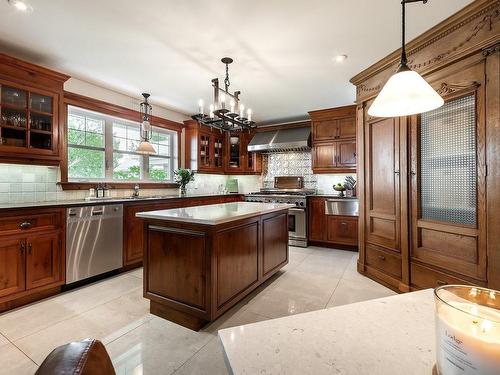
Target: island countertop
[
  {"x": 214, "y": 214},
  {"x": 386, "y": 336}
]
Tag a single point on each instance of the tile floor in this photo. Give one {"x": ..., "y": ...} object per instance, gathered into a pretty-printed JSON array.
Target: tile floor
[{"x": 114, "y": 311}]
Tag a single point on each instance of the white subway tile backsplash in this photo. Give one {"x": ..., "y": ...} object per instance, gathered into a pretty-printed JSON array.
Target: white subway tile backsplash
[{"x": 29, "y": 183}]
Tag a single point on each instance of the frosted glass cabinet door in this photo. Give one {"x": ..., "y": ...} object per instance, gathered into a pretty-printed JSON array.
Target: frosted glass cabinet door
[
  {"x": 448, "y": 164},
  {"x": 447, "y": 188}
]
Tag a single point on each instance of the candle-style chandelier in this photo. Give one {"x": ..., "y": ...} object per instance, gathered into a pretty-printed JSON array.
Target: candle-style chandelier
[{"x": 226, "y": 112}]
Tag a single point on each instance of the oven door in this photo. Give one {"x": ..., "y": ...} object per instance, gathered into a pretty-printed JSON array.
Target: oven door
[{"x": 297, "y": 234}]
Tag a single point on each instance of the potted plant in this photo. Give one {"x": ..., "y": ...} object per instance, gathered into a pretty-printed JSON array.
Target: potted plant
[{"x": 183, "y": 176}]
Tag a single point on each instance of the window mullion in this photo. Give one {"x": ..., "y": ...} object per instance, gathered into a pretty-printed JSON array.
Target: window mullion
[{"x": 108, "y": 141}]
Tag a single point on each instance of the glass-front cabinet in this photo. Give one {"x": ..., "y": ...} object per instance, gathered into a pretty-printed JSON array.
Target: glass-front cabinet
[
  {"x": 448, "y": 180},
  {"x": 27, "y": 119}
]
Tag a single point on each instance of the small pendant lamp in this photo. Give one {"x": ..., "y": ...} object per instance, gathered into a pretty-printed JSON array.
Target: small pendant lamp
[
  {"x": 406, "y": 92},
  {"x": 145, "y": 147}
]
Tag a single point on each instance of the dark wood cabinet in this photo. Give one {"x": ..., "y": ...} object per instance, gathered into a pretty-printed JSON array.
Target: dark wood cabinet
[
  {"x": 205, "y": 148},
  {"x": 334, "y": 140},
  {"x": 31, "y": 254},
  {"x": 429, "y": 199},
  {"x": 213, "y": 151},
  {"x": 30, "y": 112},
  {"x": 324, "y": 157},
  {"x": 43, "y": 259},
  {"x": 330, "y": 229},
  {"x": 133, "y": 238},
  {"x": 342, "y": 230},
  {"x": 346, "y": 154},
  {"x": 12, "y": 265},
  {"x": 317, "y": 219}
]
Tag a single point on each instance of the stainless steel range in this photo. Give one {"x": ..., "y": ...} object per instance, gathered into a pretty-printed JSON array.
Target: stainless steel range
[{"x": 288, "y": 189}]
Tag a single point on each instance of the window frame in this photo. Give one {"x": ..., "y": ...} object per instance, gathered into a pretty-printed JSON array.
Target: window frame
[{"x": 121, "y": 114}]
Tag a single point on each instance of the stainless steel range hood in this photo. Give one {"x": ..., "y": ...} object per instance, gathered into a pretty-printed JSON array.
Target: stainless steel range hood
[{"x": 294, "y": 139}]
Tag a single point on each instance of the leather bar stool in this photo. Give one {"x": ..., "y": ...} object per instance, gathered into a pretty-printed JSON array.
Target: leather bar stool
[{"x": 86, "y": 357}]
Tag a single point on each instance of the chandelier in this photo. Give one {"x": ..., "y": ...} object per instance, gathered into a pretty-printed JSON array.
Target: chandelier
[{"x": 226, "y": 111}]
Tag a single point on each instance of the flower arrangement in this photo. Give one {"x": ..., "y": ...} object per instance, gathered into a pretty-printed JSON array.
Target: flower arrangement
[{"x": 183, "y": 176}]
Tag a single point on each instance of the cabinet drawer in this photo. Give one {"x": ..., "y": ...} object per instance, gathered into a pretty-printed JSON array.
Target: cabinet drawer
[
  {"x": 426, "y": 277},
  {"x": 383, "y": 261},
  {"x": 21, "y": 223},
  {"x": 342, "y": 230}
]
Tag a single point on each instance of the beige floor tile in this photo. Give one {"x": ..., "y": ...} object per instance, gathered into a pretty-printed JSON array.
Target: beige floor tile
[
  {"x": 280, "y": 302},
  {"x": 156, "y": 347},
  {"x": 208, "y": 361},
  {"x": 105, "y": 322},
  {"x": 137, "y": 273},
  {"x": 3, "y": 340},
  {"x": 234, "y": 319},
  {"x": 33, "y": 318},
  {"x": 329, "y": 264},
  {"x": 303, "y": 250},
  {"x": 14, "y": 362},
  {"x": 349, "y": 291}
]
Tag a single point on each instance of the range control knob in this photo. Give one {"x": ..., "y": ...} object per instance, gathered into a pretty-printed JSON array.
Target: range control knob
[
  {"x": 296, "y": 203},
  {"x": 301, "y": 203}
]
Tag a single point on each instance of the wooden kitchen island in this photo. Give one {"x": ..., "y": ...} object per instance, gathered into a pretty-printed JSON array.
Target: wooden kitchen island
[{"x": 200, "y": 261}]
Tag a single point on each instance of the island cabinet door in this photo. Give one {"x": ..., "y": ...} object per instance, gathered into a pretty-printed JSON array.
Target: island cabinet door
[
  {"x": 274, "y": 243},
  {"x": 176, "y": 267},
  {"x": 236, "y": 263}
]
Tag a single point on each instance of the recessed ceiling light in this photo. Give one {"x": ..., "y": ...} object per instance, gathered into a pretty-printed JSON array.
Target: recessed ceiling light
[
  {"x": 340, "y": 58},
  {"x": 21, "y": 5}
]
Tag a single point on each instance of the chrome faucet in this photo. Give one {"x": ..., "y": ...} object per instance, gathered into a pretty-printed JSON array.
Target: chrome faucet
[{"x": 135, "y": 194}]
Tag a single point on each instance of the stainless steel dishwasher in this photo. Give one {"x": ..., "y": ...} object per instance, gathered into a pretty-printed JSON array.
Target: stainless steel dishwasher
[{"x": 94, "y": 241}]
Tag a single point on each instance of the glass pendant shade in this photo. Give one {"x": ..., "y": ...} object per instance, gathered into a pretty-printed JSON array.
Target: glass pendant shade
[
  {"x": 145, "y": 148},
  {"x": 405, "y": 93}
]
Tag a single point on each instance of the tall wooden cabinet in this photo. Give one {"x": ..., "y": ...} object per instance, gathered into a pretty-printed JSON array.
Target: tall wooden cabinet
[
  {"x": 429, "y": 183},
  {"x": 334, "y": 140}
]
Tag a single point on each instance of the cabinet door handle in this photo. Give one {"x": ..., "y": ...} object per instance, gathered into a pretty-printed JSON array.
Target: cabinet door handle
[
  {"x": 25, "y": 224},
  {"x": 22, "y": 248},
  {"x": 441, "y": 283},
  {"x": 381, "y": 257},
  {"x": 343, "y": 223},
  {"x": 396, "y": 172},
  {"x": 30, "y": 248}
]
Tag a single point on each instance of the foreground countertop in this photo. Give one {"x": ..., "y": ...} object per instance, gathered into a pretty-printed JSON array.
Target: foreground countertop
[
  {"x": 387, "y": 336},
  {"x": 112, "y": 200},
  {"x": 215, "y": 214}
]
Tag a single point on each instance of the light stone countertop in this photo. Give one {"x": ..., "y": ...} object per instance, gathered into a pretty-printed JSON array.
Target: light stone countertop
[
  {"x": 387, "y": 336},
  {"x": 215, "y": 214}
]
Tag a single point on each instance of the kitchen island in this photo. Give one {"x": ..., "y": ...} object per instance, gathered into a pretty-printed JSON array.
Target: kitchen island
[{"x": 200, "y": 261}]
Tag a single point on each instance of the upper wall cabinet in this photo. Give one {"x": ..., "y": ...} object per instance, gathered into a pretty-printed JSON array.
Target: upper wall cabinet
[
  {"x": 334, "y": 140},
  {"x": 209, "y": 150},
  {"x": 30, "y": 105}
]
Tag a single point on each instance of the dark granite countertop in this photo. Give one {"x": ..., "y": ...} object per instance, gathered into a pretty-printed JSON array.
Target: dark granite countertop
[{"x": 83, "y": 202}]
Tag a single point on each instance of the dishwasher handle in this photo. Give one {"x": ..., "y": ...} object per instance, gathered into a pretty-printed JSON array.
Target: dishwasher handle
[{"x": 97, "y": 213}]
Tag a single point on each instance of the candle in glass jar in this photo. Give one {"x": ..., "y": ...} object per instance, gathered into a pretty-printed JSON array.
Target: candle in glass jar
[{"x": 468, "y": 336}]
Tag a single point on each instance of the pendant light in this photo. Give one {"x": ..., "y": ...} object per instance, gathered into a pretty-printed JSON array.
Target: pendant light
[
  {"x": 145, "y": 147},
  {"x": 406, "y": 92}
]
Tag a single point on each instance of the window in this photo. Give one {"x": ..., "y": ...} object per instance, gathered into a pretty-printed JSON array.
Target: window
[{"x": 102, "y": 148}]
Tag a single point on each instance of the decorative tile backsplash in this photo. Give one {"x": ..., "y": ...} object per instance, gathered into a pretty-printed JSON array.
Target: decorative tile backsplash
[
  {"x": 298, "y": 164},
  {"x": 288, "y": 164},
  {"x": 31, "y": 183}
]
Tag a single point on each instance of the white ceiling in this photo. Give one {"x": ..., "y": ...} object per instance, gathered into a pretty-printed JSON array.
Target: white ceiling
[{"x": 283, "y": 49}]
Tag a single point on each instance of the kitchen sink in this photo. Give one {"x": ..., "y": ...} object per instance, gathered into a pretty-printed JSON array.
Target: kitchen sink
[{"x": 341, "y": 207}]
